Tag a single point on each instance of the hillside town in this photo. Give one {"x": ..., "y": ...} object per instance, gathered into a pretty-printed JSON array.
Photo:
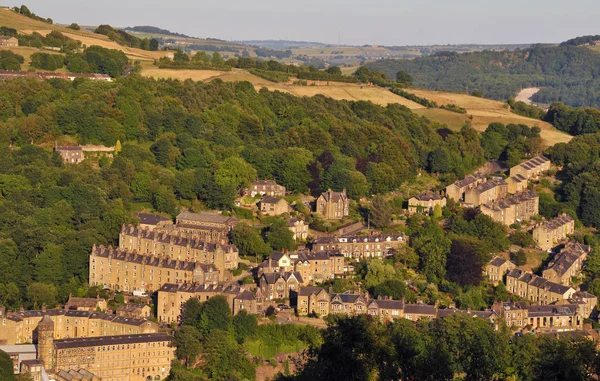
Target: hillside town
[{"x": 194, "y": 257}]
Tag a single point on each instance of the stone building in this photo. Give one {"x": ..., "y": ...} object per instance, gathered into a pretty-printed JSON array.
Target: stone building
[
  {"x": 8, "y": 42},
  {"x": 134, "y": 311},
  {"x": 313, "y": 300},
  {"x": 266, "y": 187},
  {"x": 550, "y": 233},
  {"x": 458, "y": 190},
  {"x": 425, "y": 203},
  {"x": 206, "y": 226},
  {"x": 298, "y": 227},
  {"x": 140, "y": 357},
  {"x": 542, "y": 318},
  {"x": 126, "y": 271},
  {"x": 86, "y": 304},
  {"x": 70, "y": 154},
  {"x": 531, "y": 169},
  {"x": 333, "y": 205},
  {"x": 485, "y": 192},
  {"x": 358, "y": 247},
  {"x": 280, "y": 285},
  {"x": 273, "y": 206},
  {"x": 172, "y": 297},
  {"x": 516, "y": 184},
  {"x": 149, "y": 221},
  {"x": 320, "y": 266},
  {"x": 513, "y": 208},
  {"x": 497, "y": 268},
  {"x": 536, "y": 289},
  {"x": 19, "y": 327},
  {"x": 567, "y": 264}
]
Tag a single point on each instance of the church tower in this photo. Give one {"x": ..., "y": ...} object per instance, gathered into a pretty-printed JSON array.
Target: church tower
[{"x": 45, "y": 342}]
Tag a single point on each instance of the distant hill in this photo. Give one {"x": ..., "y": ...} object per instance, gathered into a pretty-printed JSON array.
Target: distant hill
[
  {"x": 155, "y": 30},
  {"x": 583, "y": 40},
  {"x": 280, "y": 44},
  {"x": 564, "y": 73}
]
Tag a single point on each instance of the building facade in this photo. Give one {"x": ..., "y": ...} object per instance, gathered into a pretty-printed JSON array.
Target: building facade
[
  {"x": 531, "y": 169},
  {"x": 425, "y": 203},
  {"x": 567, "y": 263},
  {"x": 280, "y": 285},
  {"x": 458, "y": 190},
  {"x": 205, "y": 226},
  {"x": 550, "y": 233},
  {"x": 497, "y": 268},
  {"x": 485, "y": 192},
  {"x": 20, "y": 327},
  {"x": 266, "y": 187},
  {"x": 536, "y": 289},
  {"x": 70, "y": 154},
  {"x": 128, "y": 271},
  {"x": 333, "y": 205},
  {"x": 513, "y": 208},
  {"x": 273, "y": 206},
  {"x": 357, "y": 247},
  {"x": 8, "y": 42},
  {"x": 298, "y": 227},
  {"x": 172, "y": 297}
]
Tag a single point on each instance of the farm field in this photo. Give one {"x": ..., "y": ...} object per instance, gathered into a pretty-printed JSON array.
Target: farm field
[{"x": 484, "y": 112}]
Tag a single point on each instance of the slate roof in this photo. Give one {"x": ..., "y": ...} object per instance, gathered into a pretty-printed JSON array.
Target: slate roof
[
  {"x": 246, "y": 295},
  {"x": 554, "y": 310},
  {"x": 308, "y": 290},
  {"x": 334, "y": 196},
  {"x": 271, "y": 278},
  {"x": 369, "y": 238},
  {"x": 151, "y": 219},
  {"x": 498, "y": 261},
  {"x": 389, "y": 304},
  {"x": 468, "y": 180},
  {"x": 428, "y": 196},
  {"x": 558, "y": 222},
  {"x": 292, "y": 221},
  {"x": 204, "y": 217},
  {"x": 535, "y": 162},
  {"x": 420, "y": 309},
  {"x": 82, "y": 302},
  {"x": 112, "y": 340},
  {"x": 270, "y": 200},
  {"x": 266, "y": 183},
  {"x": 68, "y": 148}
]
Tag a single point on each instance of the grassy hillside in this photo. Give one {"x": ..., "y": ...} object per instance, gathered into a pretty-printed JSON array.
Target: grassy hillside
[
  {"x": 26, "y": 25},
  {"x": 484, "y": 112},
  {"x": 564, "y": 73}
]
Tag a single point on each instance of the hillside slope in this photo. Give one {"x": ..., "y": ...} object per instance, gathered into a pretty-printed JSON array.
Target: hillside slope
[
  {"x": 26, "y": 25},
  {"x": 484, "y": 111},
  {"x": 566, "y": 73}
]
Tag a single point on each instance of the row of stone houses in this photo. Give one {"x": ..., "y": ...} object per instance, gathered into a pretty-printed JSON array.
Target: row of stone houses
[
  {"x": 358, "y": 247},
  {"x": 558, "y": 317},
  {"x": 550, "y": 233},
  {"x": 205, "y": 226},
  {"x": 536, "y": 289},
  {"x": 172, "y": 297},
  {"x": 316, "y": 300},
  {"x": 567, "y": 263},
  {"x": 513, "y": 208},
  {"x": 531, "y": 169},
  {"x": 176, "y": 245},
  {"x": 122, "y": 270},
  {"x": 425, "y": 203},
  {"x": 314, "y": 267},
  {"x": 19, "y": 327}
]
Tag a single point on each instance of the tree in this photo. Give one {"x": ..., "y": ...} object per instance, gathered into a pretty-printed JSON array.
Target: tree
[
  {"x": 380, "y": 212},
  {"x": 432, "y": 245},
  {"x": 404, "y": 78},
  {"x": 187, "y": 340},
  {"x": 6, "y": 367},
  {"x": 153, "y": 45},
  {"x": 378, "y": 272},
  {"x": 40, "y": 293},
  {"x": 74, "y": 26},
  {"x": 216, "y": 314},
  {"x": 520, "y": 257},
  {"x": 280, "y": 237},
  {"x": 226, "y": 359},
  {"x": 118, "y": 148},
  {"x": 181, "y": 57},
  {"x": 217, "y": 59},
  {"x": 248, "y": 241},
  {"x": 191, "y": 312},
  {"x": 465, "y": 262},
  {"x": 244, "y": 326}
]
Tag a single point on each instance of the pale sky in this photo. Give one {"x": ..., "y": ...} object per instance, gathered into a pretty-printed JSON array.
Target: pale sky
[{"x": 357, "y": 22}]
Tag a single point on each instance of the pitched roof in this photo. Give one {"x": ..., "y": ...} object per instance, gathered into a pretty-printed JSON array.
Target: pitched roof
[
  {"x": 266, "y": 183},
  {"x": 204, "y": 217},
  {"x": 334, "y": 196},
  {"x": 271, "y": 200},
  {"x": 428, "y": 196},
  {"x": 558, "y": 222},
  {"x": 271, "y": 278},
  {"x": 112, "y": 340},
  {"x": 308, "y": 290},
  {"x": 420, "y": 309},
  {"x": 151, "y": 219},
  {"x": 498, "y": 261},
  {"x": 468, "y": 180},
  {"x": 535, "y": 162},
  {"x": 245, "y": 295},
  {"x": 83, "y": 302}
]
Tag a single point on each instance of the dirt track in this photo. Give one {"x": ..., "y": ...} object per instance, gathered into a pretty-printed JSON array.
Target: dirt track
[{"x": 526, "y": 94}]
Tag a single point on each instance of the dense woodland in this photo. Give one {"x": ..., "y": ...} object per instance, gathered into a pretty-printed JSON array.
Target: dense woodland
[
  {"x": 364, "y": 349},
  {"x": 567, "y": 74},
  {"x": 183, "y": 143}
]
